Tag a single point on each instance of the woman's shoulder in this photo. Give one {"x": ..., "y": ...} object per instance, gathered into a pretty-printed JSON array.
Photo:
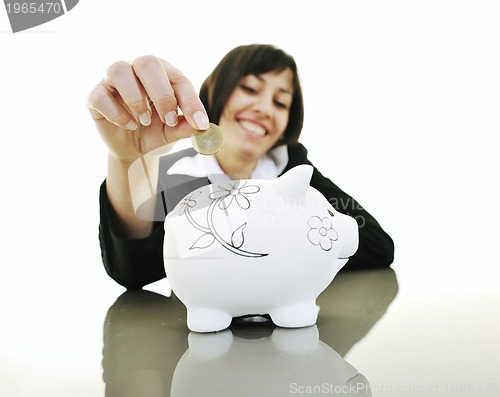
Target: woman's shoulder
[
  {"x": 297, "y": 154},
  {"x": 297, "y": 148}
]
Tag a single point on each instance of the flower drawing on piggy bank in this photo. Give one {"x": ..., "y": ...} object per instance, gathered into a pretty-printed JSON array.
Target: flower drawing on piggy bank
[
  {"x": 221, "y": 199},
  {"x": 232, "y": 192},
  {"x": 322, "y": 233}
]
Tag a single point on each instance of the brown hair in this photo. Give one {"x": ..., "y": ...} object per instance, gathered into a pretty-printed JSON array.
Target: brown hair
[{"x": 253, "y": 59}]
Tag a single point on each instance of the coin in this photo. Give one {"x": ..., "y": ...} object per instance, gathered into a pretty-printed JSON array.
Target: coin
[{"x": 207, "y": 141}]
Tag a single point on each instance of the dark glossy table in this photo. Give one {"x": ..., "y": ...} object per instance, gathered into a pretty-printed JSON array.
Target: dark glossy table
[{"x": 149, "y": 352}]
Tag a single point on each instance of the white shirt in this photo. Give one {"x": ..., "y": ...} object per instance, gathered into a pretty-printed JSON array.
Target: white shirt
[{"x": 269, "y": 166}]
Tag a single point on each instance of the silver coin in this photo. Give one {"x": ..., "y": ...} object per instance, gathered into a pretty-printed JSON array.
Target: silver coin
[{"x": 208, "y": 141}]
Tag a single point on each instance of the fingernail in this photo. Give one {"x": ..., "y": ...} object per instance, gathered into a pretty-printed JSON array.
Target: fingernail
[
  {"x": 145, "y": 119},
  {"x": 201, "y": 120},
  {"x": 171, "y": 118},
  {"x": 131, "y": 126}
]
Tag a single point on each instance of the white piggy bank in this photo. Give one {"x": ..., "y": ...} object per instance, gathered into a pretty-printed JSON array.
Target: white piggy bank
[{"x": 253, "y": 247}]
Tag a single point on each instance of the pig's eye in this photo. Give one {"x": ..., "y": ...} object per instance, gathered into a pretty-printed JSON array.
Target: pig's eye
[{"x": 330, "y": 212}]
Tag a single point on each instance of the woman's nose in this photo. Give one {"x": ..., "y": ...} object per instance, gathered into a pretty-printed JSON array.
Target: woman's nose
[{"x": 263, "y": 105}]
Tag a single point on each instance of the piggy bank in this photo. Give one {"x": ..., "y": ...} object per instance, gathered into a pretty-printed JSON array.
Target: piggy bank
[{"x": 255, "y": 247}]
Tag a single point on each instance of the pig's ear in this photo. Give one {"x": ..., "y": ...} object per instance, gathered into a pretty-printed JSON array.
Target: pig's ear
[{"x": 294, "y": 183}]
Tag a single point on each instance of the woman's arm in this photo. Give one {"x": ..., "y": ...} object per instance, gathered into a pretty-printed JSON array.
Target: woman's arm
[
  {"x": 131, "y": 262},
  {"x": 135, "y": 262},
  {"x": 135, "y": 110}
]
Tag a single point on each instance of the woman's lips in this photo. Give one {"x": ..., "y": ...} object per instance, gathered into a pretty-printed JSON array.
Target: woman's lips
[{"x": 252, "y": 127}]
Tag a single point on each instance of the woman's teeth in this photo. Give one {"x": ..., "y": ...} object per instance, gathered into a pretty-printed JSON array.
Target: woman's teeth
[{"x": 256, "y": 129}]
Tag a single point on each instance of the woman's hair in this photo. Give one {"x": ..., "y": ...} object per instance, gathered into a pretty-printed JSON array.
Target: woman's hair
[{"x": 245, "y": 60}]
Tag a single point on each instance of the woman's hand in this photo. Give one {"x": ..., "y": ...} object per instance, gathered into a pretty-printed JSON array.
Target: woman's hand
[{"x": 135, "y": 107}]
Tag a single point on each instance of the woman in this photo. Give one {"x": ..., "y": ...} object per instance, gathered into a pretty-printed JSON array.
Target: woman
[{"x": 254, "y": 95}]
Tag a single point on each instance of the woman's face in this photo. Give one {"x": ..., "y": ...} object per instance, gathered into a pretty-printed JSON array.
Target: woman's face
[{"x": 256, "y": 114}]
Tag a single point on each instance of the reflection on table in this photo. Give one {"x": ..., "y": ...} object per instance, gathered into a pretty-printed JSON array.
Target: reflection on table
[{"x": 148, "y": 350}]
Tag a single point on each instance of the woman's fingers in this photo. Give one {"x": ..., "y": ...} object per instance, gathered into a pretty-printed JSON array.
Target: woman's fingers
[
  {"x": 103, "y": 105},
  {"x": 131, "y": 90},
  {"x": 122, "y": 78},
  {"x": 156, "y": 84},
  {"x": 187, "y": 97}
]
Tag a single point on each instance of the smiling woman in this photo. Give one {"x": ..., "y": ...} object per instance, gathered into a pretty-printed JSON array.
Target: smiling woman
[
  {"x": 255, "y": 116},
  {"x": 255, "y": 96}
]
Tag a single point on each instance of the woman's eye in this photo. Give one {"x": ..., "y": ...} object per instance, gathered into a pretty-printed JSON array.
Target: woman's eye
[
  {"x": 281, "y": 105},
  {"x": 248, "y": 89}
]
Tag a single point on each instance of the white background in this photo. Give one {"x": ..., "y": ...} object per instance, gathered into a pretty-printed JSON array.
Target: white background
[{"x": 402, "y": 112}]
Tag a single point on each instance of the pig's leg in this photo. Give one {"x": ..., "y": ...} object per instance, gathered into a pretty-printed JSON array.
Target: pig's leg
[
  {"x": 202, "y": 319},
  {"x": 300, "y": 314}
]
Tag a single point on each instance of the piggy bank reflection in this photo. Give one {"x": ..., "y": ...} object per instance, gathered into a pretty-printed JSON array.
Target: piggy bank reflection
[
  {"x": 250, "y": 247},
  {"x": 281, "y": 363}
]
